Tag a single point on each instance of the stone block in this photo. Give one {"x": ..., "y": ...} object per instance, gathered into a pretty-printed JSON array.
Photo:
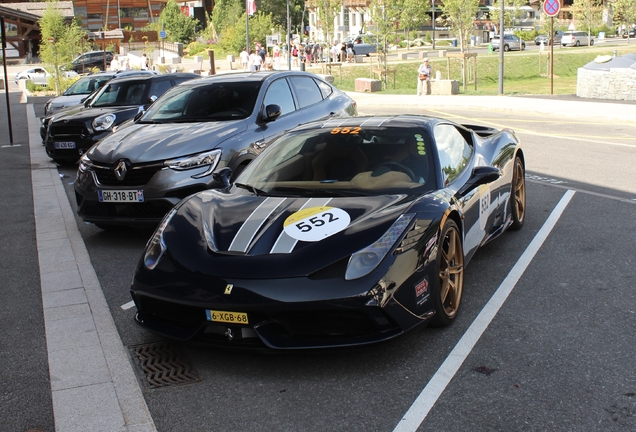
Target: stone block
[
  {"x": 442, "y": 53},
  {"x": 360, "y": 59},
  {"x": 364, "y": 85},
  {"x": 403, "y": 56},
  {"x": 444, "y": 87},
  {"x": 175, "y": 60},
  {"x": 423, "y": 54}
]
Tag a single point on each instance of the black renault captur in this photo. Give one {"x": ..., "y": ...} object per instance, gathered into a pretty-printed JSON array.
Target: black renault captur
[{"x": 73, "y": 132}]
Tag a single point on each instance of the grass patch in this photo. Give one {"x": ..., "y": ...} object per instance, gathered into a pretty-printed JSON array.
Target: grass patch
[{"x": 525, "y": 72}]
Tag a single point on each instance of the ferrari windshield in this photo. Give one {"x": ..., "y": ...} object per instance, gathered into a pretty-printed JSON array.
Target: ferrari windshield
[
  {"x": 220, "y": 101},
  {"x": 122, "y": 93},
  {"x": 343, "y": 162}
]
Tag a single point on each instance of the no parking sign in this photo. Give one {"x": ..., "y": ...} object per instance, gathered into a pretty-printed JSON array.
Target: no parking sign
[{"x": 551, "y": 7}]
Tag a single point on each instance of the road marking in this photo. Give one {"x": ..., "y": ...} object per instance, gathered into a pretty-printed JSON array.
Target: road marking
[
  {"x": 437, "y": 384},
  {"x": 129, "y": 305}
]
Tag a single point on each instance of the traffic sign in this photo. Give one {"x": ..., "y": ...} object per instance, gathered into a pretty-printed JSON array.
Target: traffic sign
[
  {"x": 551, "y": 7},
  {"x": 162, "y": 34}
]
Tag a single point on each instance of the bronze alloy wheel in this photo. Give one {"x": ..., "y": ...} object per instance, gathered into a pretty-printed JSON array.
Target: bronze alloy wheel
[
  {"x": 451, "y": 275},
  {"x": 518, "y": 200}
]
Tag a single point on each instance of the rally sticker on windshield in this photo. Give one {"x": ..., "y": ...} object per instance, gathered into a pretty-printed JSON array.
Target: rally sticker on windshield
[{"x": 316, "y": 223}]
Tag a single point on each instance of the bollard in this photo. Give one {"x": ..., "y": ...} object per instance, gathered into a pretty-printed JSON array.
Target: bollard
[
  {"x": 212, "y": 67},
  {"x": 302, "y": 66}
]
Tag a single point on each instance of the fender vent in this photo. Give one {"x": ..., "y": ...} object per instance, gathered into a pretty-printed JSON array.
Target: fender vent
[{"x": 162, "y": 364}]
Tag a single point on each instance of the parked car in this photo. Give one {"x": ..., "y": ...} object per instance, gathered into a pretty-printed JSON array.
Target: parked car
[
  {"x": 576, "y": 38},
  {"x": 341, "y": 233},
  {"x": 631, "y": 34},
  {"x": 84, "y": 86},
  {"x": 556, "y": 39},
  {"x": 137, "y": 174},
  {"x": 511, "y": 42},
  {"x": 73, "y": 131},
  {"x": 363, "y": 44},
  {"x": 93, "y": 59},
  {"x": 40, "y": 76}
]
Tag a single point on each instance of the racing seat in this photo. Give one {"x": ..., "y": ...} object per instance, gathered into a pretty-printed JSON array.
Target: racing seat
[{"x": 338, "y": 163}]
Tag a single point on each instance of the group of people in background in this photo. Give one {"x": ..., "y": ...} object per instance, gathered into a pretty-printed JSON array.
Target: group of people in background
[
  {"x": 125, "y": 63},
  {"x": 259, "y": 58}
]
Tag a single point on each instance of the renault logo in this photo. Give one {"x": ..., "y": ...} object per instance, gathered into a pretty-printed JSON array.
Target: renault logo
[
  {"x": 228, "y": 289},
  {"x": 120, "y": 170}
]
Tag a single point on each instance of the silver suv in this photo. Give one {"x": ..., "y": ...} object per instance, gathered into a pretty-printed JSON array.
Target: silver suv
[
  {"x": 511, "y": 42},
  {"x": 576, "y": 38}
]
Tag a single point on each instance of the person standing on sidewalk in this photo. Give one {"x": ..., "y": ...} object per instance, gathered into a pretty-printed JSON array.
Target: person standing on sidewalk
[
  {"x": 423, "y": 75},
  {"x": 245, "y": 57}
]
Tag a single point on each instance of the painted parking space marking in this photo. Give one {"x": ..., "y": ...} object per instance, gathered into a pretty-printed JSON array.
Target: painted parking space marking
[
  {"x": 442, "y": 377},
  {"x": 129, "y": 305}
]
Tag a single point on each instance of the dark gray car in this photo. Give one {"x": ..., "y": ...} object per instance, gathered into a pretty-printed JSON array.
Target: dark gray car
[{"x": 186, "y": 140}]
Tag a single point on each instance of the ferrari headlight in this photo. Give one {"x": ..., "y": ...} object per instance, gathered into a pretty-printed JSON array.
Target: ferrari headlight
[
  {"x": 365, "y": 260},
  {"x": 209, "y": 159},
  {"x": 104, "y": 122},
  {"x": 156, "y": 246}
]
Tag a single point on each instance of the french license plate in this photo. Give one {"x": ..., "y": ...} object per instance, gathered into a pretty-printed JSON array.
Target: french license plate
[
  {"x": 131, "y": 196},
  {"x": 64, "y": 145},
  {"x": 227, "y": 317}
]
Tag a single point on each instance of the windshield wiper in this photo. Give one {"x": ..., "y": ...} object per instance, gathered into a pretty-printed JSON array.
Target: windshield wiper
[{"x": 251, "y": 188}]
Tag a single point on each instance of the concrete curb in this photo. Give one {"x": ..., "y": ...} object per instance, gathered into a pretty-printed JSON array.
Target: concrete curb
[{"x": 93, "y": 385}]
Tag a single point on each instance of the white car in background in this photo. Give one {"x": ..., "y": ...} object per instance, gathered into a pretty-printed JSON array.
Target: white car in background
[
  {"x": 39, "y": 75},
  {"x": 576, "y": 38}
]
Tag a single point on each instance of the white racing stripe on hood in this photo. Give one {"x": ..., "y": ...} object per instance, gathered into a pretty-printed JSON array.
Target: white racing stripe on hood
[
  {"x": 284, "y": 243},
  {"x": 253, "y": 223}
]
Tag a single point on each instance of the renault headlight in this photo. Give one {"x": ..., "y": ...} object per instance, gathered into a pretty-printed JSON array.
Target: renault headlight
[
  {"x": 85, "y": 163},
  {"x": 156, "y": 246},
  {"x": 104, "y": 122},
  {"x": 365, "y": 260},
  {"x": 209, "y": 159}
]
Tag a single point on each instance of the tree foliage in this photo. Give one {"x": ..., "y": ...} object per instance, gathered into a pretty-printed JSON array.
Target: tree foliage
[
  {"x": 68, "y": 39},
  {"x": 460, "y": 16},
  {"x": 278, "y": 11},
  {"x": 178, "y": 27},
  {"x": 326, "y": 15},
  {"x": 588, "y": 12},
  {"x": 625, "y": 13},
  {"x": 385, "y": 17},
  {"x": 226, "y": 13},
  {"x": 511, "y": 12},
  {"x": 232, "y": 39},
  {"x": 413, "y": 13}
]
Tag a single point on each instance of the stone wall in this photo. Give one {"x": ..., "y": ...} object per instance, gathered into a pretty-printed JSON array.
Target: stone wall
[{"x": 615, "y": 84}]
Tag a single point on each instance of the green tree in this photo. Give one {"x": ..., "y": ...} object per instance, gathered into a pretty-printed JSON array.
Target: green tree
[
  {"x": 384, "y": 14},
  {"x": 278, "y": 10},
  {"x": 178, "y": 27},
  {"x": 511, "y": 12},
  {"x": 326, "y": 15},
  {"x": 413, "y": 14},
  {"x": 232, "y": 39},
  {"x": 67, "y": 41},
  {"x": 625, "y": 13},
  {"x": 460, "y": 16},
  {"x": 588, "y": 12},
  {"x": 227, "y": 13}
]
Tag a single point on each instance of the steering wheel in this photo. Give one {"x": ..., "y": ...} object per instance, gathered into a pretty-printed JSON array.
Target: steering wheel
[{"x": 403, "y": 168}]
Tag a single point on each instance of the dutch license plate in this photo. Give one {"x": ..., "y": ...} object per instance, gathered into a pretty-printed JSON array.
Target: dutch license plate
[
  {"x": 227, "y": 317},
  {"x": 64, "y": 145},
  {"x": 131, "y": 196}
]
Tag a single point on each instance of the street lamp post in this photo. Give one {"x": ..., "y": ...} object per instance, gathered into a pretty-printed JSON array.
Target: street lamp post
[{"x": 433, "y": 3}]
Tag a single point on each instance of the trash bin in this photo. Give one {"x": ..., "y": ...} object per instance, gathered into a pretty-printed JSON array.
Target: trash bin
[
  {"x": 302, "y": 66},
  {"x": 601, "y": 35},
  {"x": 454, "y": 42}
]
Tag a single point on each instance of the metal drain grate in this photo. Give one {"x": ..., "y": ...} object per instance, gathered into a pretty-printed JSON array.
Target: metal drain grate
[{"x": 163, "y": 364}]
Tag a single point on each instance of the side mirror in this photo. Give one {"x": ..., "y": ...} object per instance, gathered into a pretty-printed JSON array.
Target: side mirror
[
  {"x": 271, "y": 113},
  {"x": 480, "y": 175},
  {"x": 223, "y": 175},
  {"x": 139, "y": 114}
]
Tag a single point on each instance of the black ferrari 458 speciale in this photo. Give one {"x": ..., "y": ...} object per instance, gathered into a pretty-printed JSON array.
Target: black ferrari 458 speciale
[{"x": 343, "y": 232}]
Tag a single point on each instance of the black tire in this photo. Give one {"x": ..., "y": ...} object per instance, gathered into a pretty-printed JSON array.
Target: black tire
[
  {"x": 518, "y": 195},
  {"x": 591, "y": 42},
  {"x": 506, "y": 48},
  {"x": 449, "y": 286},
  {"x": 577, "y": 43}
]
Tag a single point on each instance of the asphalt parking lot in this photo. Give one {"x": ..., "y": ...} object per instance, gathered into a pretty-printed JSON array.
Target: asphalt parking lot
[
  {"x": 544, "y": 341},
  {"x": 556, "y": 355}
]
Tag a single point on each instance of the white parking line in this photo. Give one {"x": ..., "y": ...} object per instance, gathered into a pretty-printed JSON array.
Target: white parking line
[
  {"x": 129, "y": 305},
  {"x": 427, "y": 398}
]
